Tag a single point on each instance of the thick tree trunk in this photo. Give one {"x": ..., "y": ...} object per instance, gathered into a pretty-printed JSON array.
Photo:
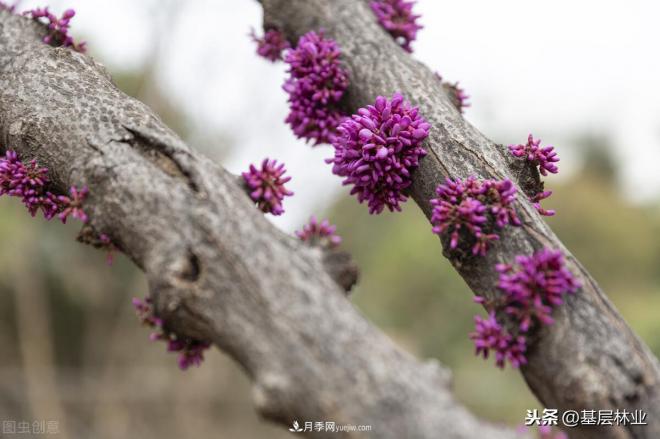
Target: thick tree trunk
[
  {"x": 217, "y": 269},
  {"x": 590, "y": 358}
]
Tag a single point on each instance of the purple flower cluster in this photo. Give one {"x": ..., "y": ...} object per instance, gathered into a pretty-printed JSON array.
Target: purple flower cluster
[
  {"x": 58, "y": 34},
  {"x": 536, "y": 202},
  {"x": 473, "y": 206},
  {"x": 458, "y": 96},
  {"x": 532, "y": 288},
  {"x": 266, "y": 186},
  {"x": 535, "y": 286},
  {"x": 271, "y": 45},
  {"x": 545, "y": 158},
  {"x": 191, "y": 352},
  {"x": 319, "y": 233},
  {"x": 491, "y": 336},
  {"x": 377, "y": 149},
  {"x": 72, "y": 204},
  {"x": 397, "y": 18},
  {"x": 30, "y": 182},
  {"x": 316, "y": 84}
]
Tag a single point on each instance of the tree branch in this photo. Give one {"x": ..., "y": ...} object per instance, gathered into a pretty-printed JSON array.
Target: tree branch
[
  {"x": 217, "y": 269},
  {"x": 590, "y": 358}
]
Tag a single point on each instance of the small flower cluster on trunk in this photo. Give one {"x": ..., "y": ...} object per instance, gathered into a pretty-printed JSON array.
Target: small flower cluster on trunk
[
  {"x": 266, "y": 186},
  {"x": 271, "y": 45},
  {"x": 377, "y": 150},
  {"x": 320, "y": 233},
  {"x": 532, "y": 289},
  {"x": 398, "y": 19},
  {"x": 545, "y": 158},
  {"x": 535, "y": 286},
  {"x": 472, "y": 209},
  {"x": 456, "y": 93},
  {"x": 191, "y": 352},
  {"x": 58, "y": 28},
  {"x": 316, "y": 84},
  {"x": 489, "y": 336},
  {"x": 30, "y": 183}
]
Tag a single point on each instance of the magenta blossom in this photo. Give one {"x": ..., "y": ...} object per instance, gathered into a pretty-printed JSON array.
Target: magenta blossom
[
  {"x": 316, "y": 84},
  {"x": 30, "y": 183},
  {"x": 267, "y": 186},
  {"x": 472, "y": 208},
  {"x": 72, "y": 205},
  {"x": 58, "y": 34},
  {"x": 271, "y": 45},
  {"x": 489, "y": 336},
  {"x": 536, "y": 202},
  {"x": 543, "y": 157},
  {"x": 377, "y": 150},
  {"x": 191, "y": 351},
  {"x": 398, "y": 19},
  {"x": 457, "y": 94},
  {"x": 534, "y": 286},
  {"x": 319, "y": 233}
]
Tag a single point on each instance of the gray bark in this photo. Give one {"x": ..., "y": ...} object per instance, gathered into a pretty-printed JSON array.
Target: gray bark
[
  {"x": 217, "y": 269},
  {"x": 590, "y": 358}
]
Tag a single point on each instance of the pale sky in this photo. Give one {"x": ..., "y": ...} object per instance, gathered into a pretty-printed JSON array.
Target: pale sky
[{"x": 557, "y": 69}]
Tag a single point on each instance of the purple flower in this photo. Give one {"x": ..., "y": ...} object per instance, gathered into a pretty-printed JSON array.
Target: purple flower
[
  {"x": 319, "y": 233},
  {"x": 144, "y": 311},
  {"x": 191, "y": 351},
  {"x": 471, "y": 207},
  {"x": 536, "y": 202},
  {"x": 489, "y": 336},
  {"x": 377, "y": 149},
  {"x": 72, "y": 205},
  {"x": 457, "y": 95},
  {"x": 267, "y": 186},
  {"x": 545, "y": 158},
  {"x": 27, "y": 182},
  {"x": 397, "y": 18},
  {"x": 534, "y": 286},
  {"x": 316, "y": 84},
  {"x": 58, "y": 34},
  {"x": 271, "y": 45}
]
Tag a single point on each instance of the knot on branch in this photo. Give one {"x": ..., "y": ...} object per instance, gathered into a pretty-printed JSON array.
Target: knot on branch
[{"x": 341, "y": 267}]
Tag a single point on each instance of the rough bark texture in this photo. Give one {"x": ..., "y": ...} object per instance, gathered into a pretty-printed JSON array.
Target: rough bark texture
[
  {"x": 217, "y": 269},
  {"x": 590, "y": 358}
]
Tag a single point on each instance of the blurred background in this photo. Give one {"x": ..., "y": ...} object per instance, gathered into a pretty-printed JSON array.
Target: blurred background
[{"x": 576, "y": 74}]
